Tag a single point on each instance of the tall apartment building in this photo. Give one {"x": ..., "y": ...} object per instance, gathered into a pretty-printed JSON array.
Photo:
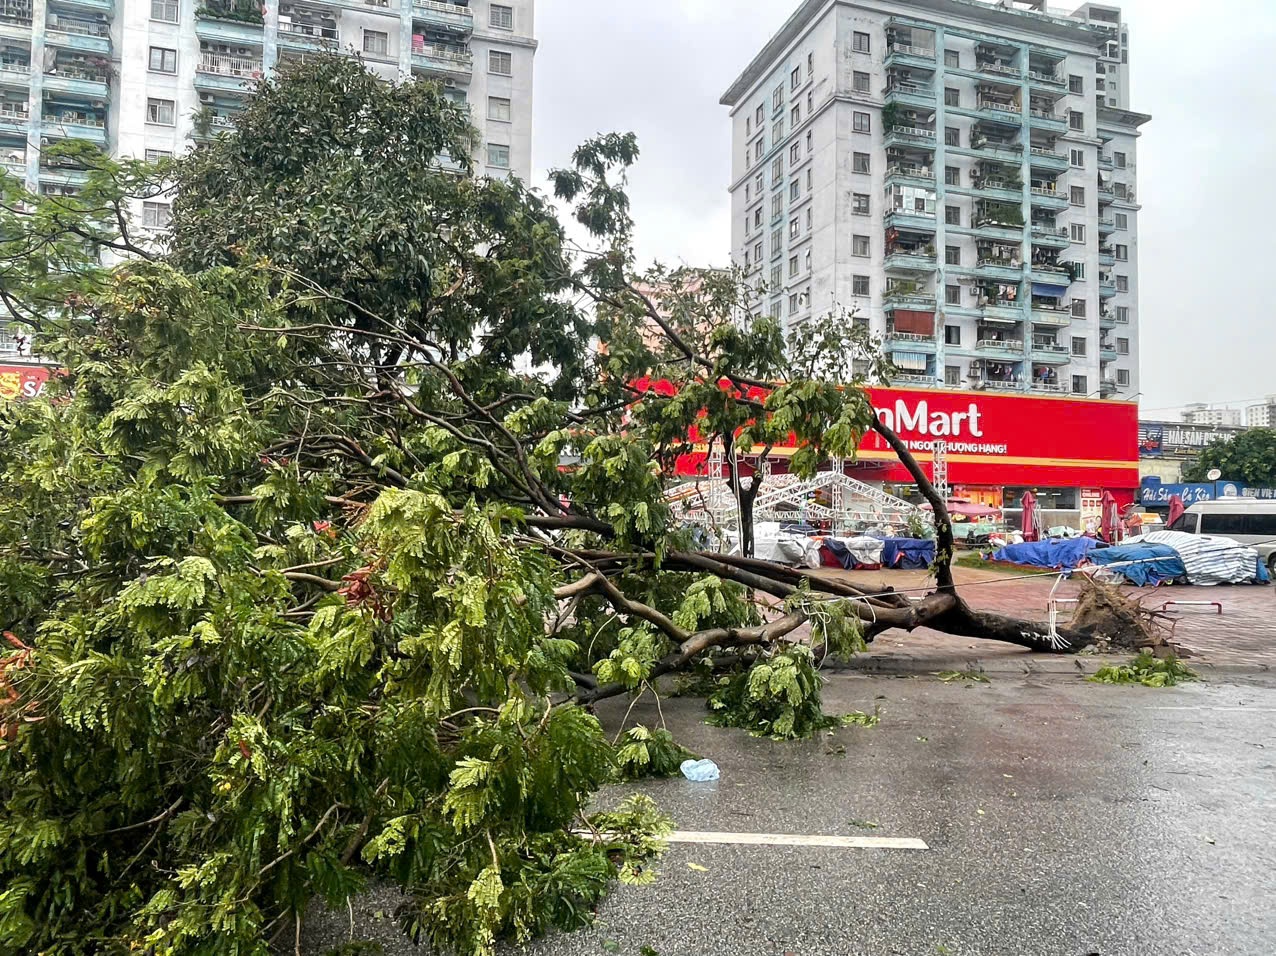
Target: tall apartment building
[
  {"x": 1200, "y": 414},
  {"x": 1262, "y": 415},
  {"x": 145, "y": 78},
  {"x": 962, "y": 174}
]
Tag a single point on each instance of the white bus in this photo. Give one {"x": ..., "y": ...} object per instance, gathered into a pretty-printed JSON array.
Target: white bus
[{"x": 1245, "y": 520}]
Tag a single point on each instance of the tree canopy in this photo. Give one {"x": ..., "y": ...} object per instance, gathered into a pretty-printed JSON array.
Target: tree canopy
[
  {"x": 338, "y": 520},
  {"x": 1248, "y": 456}
]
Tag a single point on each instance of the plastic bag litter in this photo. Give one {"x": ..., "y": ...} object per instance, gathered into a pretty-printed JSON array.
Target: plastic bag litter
[{"x": 699, "y": 771}]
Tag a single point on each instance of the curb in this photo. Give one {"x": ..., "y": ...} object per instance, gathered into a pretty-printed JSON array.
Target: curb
[{"x": 905, "y": 665}]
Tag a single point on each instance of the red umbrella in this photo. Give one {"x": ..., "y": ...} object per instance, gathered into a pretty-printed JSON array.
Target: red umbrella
[
  {"x": 1110, "y": 526},
  {"x": 1031, "y": 523},
  {"x": 1176, "y": 510}
]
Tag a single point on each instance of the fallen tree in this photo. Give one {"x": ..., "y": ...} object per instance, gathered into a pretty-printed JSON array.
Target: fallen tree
[{"x": 338, "y": 520}]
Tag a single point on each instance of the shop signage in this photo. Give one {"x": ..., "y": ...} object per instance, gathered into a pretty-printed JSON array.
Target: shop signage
[
  {"x": 1156, "y": 493},
  {"x": 22, "y": 381}
]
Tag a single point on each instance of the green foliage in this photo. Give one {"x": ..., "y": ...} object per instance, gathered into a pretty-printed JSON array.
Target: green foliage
[
  {"x": 642, "y": 752},
  {"x": 778, "y": 697},
  {"x": 1148, "y": 670},
  {"x": 1248, "y": 456}
]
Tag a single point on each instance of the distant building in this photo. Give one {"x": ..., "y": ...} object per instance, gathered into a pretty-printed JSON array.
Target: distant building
[
  {"x": 1262, "y": 415},
  {"x": 1200, "y": 414}
]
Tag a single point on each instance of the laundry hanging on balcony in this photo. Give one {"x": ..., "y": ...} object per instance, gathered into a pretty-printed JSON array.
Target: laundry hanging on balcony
[
  {"x": 1047, "y": 290},
  {"x": 909, "y": 361}
]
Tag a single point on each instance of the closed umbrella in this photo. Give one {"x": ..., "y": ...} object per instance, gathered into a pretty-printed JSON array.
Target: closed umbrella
[
  {"x": 1031, "y": 522},
  {"x": 1177, "y": 507},
  {"x": 1110, "y": 526}
]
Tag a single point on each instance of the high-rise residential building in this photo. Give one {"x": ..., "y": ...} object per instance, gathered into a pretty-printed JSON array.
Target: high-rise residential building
[
  {"x": 146, "y": 78},
  {"x": 961, "y": 173},
  {"x": 1199, "y": 414},
  {"x": 1262, "y": 415}
]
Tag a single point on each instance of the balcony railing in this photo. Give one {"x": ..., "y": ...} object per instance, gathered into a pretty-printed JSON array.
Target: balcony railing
[
  {"x": 992, "y": 262},
  {"x": 1050, "y": 231},
  {"x": 84, "y": 28},
  {"x": 1052, "y": 78},
  {"x": 913, "y": 378},
  {"x": 909, "y": 132},
  {"x": 14, "y": 114},
  {"x": 1054, "y": 387},
  {"x": 434, "y": 5},
  {"x": 910, "y": 337},
  {"x": 77, "y": 73},
  {"x": 915, "y": 213},
  {"x": 16, "y": 19},
  {"x": 917, "y": 172},
  {"x": 906, "y": 299},
  {"x": 986, "y": 104},
  {"x": 999, "y": 69},
  {"x": 904, "y": 49},
  {"x": 1005, "y": 184},
  {"x": 222, "y": 64},
  {"x": 1048, "y": 153},
  {"x": 443, "y": 53},
  {"x": 911, "y": 89},
  {"x": 11, "y": 66},
  {"x": 310, "y": 31},
  {"x": 1047, "y": 191},
  {"x": 1049, "y": 345},
  {"x": 1046, "y": 115},
  {"x": 1004, "y": 345},
  {"x": 75, "y": 119}
]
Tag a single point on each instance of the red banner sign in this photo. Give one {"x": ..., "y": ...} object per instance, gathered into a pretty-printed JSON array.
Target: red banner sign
[{"x": 23, "y": 381}]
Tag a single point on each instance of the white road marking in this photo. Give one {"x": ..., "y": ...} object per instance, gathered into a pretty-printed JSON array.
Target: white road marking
[{"x": 786, "y": 839}]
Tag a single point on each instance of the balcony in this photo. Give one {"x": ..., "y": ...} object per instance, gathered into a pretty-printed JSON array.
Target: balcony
[
  {"x": 1107, "y": 256},
  {"x": 901, "y": 54},
  {"x": 997, "y": 223},
  {"x": 78, "y": 82},
  {"x": 986, "y": 384},
  {"x": 1108, "y": 321},
  {"x": 1048, "y": 159},
  {"x": 1047, "y": 388},
  {"x": 1010, "y": 348},
  {"x": 911, "y": 341},
  {"x": 1008, "y": 189},
  {"x": 1107, "y": 227},
  {"x": 914, "y": 220},
  {"x": 1047, "y": 197},
  {"x": 911, "y": 94},
  {"x": 909, "y": 301},
  {"x": 1107, "y": 352},
  {"x": 1049, "y": 351},
  {"x": 1110, "y": 389},
  {"x": 15, "y": 74},
  {"x": 307, "y": 36},
  {"x": 63, "y": 175},
  {"x": 1007, "y": 270},
  {"x": 1106, "y": 195},
  {"x": 210, "y": 122},
  {"x": 1105, "y": 162},
  {"x": 1050, "y": 81},
  {"x": 1107, "y": 288},
  {"x": 1003, "y": 312},
  {"x": 996, "y": 149},
  {"x": 86, "y": 36},
  {"x": 15, "y": 22},
  {"x": 1051, "y": 318},
  {"x": 1047, "y": 119},
  {"x": 229, "y": 74},
  {"x": 208, "y": 26},
  {"x": 1000, "y": 70},
  {"x": 75, "y": 126},
  {"x": 914, "y": 136},
  {"x": 1052, "y": 273},
  {"x": 1007, "y": 114},
  {"x": 93, "y": 6},
  {"x": 448, "y": 17},
  {"x": 14, "y": 120},
  {"x": 442, "y": 61},
  {"x": 911, "y": 261},
  {"x": 923, "y": 175},
  {"x": 915, "y": 379},
  {"x": 1050, "y": 237}
]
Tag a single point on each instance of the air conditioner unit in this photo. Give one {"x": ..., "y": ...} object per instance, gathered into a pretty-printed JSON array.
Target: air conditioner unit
[
  {"x": 450, "y": 84},
  {"x": 206, "y": 99}
]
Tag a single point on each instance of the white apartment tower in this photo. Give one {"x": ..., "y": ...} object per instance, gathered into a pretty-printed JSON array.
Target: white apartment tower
[
  {"x": 959, "y": 172},
  {"x": 145, "y": 78}
]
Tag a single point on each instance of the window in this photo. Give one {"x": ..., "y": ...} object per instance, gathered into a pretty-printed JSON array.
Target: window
[
  {"x": 861, "y": 123},
  {"x": 1080, "y": 385},
  {"x": 795, "y": 228},
  {"x": 861, "y": 82},
  {"x": 1123, "y": 253},
  {"x": 860, "y": 247},
  {"x": 1078, "y": 270},
  {"x": 1123, "y": 314},
  {"x": 1078, "y": 346},
  {"x": 1123, "y": 376},
  {"x": 1120, "y": 190},
  {"x": 777, "y": 241},
  {"x": 760, "y": 118},
  {"x": 952, "y": 255},
  {"x": 376, "y": 42},
  {"x": 155, "y": 155},
  {"x": 795, "y": 190},
  {"x": 810, "y": 64},
  {"x": 952, "y": 97},
  {"x": 1123, "y": 283},
  {"x": 748, "y": 126},
  {"x": 810, "y": 102},
  {"x": 164, "y": 10},
  {"x": 795, "y": 78},
  {"x": 810, "y": 179},
  {"x": 952, "y": 295},
  {"x": 163, "y": 60},
  {"x": 1078, "y": 308},
  {"x": 859, "y": 285},
  {"x": 777, "y": 98},
  {"x": 860, "y": 204},
  {"x": 952, "y": 58},
  {"x": 498, "y": 155},
  {"x": 809, "y": 217},
  {"x": 1123, "y": 346},
  {"x": 759, "y": 184},
  {"x": 1118, "y": 160},
  {"x": 1222, "y": 524},
  {"x": 793, "y": 266},
  {"x": 757, "y": 252},
  {"x": 775, "y": 277},
  {"x": 500, "y": 63},
  {"x": 757, "y": 151},
  {"x": 757, "y": 218},
  {"x": 860, "y": 163},
  {"x": 795, "y": 154},
  {"x": 1078, "y": 232},
  {"x": 1076, "y": 120},
  {"x": 160, "y": 112},
  {"x": 952, "y": 136},
  {"x": 1076, "y": 84},
  {"x": 793, "y": 303},
  {"x": 952, "y": 176},
  {"x": 155, "y": 215},
  {"x": 952, "y": 335},
  {"x": 777, "y": 205},
  {"x": 777, "y": 170},
  {"x": 1078, "y": 195},
  {"x": 952, "y": 375},
  {"x": 501, "y": 17},
  {"x": 1078, "y": 158},
  {"x": 795, "y": 115},
  {"x": 1122, "y": 221},
  {"x": 807, "y": 261},
  {"x": 498, "y": 108},
  {"x": 952, "y": 215},
  {"x": 810, "y": 142},
  {"x": 777, "y": 131},
  {"x": 860, "y": 42}
]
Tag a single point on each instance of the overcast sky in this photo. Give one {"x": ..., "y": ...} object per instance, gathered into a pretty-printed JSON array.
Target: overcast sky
[{"x": 1207, "y": 162}]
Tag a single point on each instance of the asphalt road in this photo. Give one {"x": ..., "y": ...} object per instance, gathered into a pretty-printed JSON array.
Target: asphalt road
[{"x": 1063, "y": 819}]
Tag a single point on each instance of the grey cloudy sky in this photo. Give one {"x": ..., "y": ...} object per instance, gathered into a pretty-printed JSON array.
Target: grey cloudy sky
[{"x": 1207, "y": 163}]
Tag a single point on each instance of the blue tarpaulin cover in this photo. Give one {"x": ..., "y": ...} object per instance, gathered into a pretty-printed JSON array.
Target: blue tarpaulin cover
[
  {"x": 908, "y": 553},
  {"x": 1157, "y": 563},
  {"x": 1061, "y": 553}
]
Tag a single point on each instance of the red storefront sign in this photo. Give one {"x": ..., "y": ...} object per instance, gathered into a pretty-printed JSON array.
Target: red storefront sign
[
  {"x": 993, "y": 440},
  {"x": 22, "y": 381}
]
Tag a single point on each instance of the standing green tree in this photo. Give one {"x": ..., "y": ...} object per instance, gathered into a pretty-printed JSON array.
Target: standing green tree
[
  {"x": 1249, "y": 456},
  {"x": 338, "y": 521}
]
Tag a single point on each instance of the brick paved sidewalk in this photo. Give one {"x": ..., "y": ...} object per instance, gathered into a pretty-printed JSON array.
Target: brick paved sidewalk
[{"x": 1241, "y": 641}]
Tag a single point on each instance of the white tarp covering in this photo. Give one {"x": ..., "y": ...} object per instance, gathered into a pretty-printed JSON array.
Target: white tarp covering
[
  {"x": 772, "y": 544},
  {"x": 864, "y": 550},
  {"x": 1209, "y": 560}
]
